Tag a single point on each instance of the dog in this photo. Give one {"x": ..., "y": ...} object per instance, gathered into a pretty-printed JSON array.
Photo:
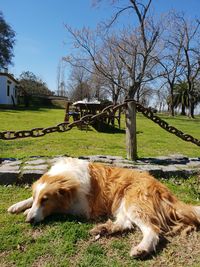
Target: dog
[{"x": 130, "y": 197}]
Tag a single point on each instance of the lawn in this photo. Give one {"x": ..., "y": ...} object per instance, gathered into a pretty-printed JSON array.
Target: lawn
[
  {"x": 64, "y": 241},
  {"x": 152, "y": 140}
]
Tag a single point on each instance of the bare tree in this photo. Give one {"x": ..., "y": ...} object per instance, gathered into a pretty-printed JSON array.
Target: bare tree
[
  {"x": 109, "y": 61},
  {"x": 136, "y": 49},
  {"x": 79, "y": 84},
  {"x": 144, "y": 95},
  {"x": 191, "y": 64},
  {"x": 171, "y": 62},
  {"x": 99, "y": 86},
  {"x": 181, "y": 58},
  {"x": 99, "y": 58},
  {"x": 161, "y": 98}
]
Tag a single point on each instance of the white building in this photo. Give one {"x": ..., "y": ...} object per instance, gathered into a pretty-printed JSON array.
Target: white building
[{"x": 8, "y": 89}]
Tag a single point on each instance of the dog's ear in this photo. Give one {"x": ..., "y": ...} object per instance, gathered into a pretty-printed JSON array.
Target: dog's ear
[
  {"x": 67, "y": 187},
  {"x": 67, "y": 193},
  {"x": 62, "y": 191}
]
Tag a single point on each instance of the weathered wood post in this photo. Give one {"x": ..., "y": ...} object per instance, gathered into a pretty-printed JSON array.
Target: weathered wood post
[{"x": 131, "y": 140}]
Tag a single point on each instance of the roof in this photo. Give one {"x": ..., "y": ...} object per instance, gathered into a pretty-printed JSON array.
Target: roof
[
  {"x": 86, "y": 102},
  {"x": 10, "y": 76}
]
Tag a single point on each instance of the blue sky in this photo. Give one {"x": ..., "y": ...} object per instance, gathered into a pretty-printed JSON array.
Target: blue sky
[{"x": 41, "y": 39}]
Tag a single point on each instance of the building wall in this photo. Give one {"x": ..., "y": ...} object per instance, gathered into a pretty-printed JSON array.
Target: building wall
[{"x": 8, "y": 89}]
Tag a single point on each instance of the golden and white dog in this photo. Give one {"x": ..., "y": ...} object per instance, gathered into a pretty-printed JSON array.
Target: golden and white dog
[{"x": 131, "y": 197}]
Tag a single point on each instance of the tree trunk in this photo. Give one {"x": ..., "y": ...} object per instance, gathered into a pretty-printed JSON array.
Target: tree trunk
[
  {"x": 191, "y": 104},
  {"x": 183, "y": 110},
  {"x": 172, "y": 102},
  {"x": 131, "y": 140},
  {"x": 192, "y": 110},
  {"x": 115, "y": 98},
  {"x": 138, "y": 95}
]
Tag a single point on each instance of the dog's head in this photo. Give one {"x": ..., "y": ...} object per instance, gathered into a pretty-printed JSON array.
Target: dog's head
[{"x": 51, "y": 194}]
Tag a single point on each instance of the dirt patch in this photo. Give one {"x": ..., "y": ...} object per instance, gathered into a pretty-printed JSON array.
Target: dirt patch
[
  {"x": 35, "y": 233},
  {"x": 180, "y": 251},
  {"x": 42, "y": 261},
  {"x": 3, "y": 255}
]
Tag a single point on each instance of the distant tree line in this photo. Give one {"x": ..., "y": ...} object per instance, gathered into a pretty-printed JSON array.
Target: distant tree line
[{"x": 31, "y": 86}]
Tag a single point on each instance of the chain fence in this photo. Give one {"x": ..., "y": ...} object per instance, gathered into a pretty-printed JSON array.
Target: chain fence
[{"x": 107, "y": 112}]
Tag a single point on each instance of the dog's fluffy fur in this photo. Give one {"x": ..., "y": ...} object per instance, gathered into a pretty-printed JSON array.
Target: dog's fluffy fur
[{"x": 131, "y": 197}]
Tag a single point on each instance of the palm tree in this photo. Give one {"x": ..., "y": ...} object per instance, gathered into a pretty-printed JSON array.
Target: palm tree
[
  {"x": 184, "y": 98},
  {"x": 181, "y": 96}
]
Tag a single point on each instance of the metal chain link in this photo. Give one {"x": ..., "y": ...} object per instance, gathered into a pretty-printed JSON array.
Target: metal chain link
[{"x": 88, "y": 119}]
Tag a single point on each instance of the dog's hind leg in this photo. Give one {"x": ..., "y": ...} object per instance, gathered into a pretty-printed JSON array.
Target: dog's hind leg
[
  {"x": 149, "y": 241},
  {"x": 121, "y": 223},
  {"x": 21, "y": 206}
]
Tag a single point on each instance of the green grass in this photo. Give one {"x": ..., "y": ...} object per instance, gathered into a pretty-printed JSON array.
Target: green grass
[
  {"x": 152, "y": 140},
  {"x": 64, "y": 241}
]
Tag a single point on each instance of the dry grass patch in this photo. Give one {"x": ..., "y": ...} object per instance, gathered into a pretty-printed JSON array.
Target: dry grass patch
[
  {"x": 43, "y": 261},
  {"x": 180, "y": 251}
]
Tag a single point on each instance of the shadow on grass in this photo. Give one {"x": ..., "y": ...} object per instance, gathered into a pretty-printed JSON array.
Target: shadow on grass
[
  {"x": 110, "y": 129},
  {"x": 63, "y": 218},
  {"x": 60, "y": 218},
  {"x": 51, "y": 219}
]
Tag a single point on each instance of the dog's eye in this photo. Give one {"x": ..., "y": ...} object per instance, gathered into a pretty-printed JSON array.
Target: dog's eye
[{"x": 44, "y": 199}]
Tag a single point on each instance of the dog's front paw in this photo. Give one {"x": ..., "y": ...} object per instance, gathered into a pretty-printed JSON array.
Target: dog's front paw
[
  {"x": 27, "y": 211},
  {"x": 16, "y": 208},
  {"x": 137, "y": 252}
]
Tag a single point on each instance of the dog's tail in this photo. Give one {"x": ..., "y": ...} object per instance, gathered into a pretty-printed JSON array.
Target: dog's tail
[
  {"x": 188, "y": 217},
  {"x": 172, "y": 215},
  {"x": 197, "y": 212}
]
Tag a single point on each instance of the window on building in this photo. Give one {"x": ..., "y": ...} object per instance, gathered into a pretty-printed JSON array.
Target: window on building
[{"x": 8, "y": 90}]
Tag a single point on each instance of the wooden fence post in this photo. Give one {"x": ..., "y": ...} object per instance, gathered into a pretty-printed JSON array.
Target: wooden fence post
[{"x": 131, "y": 140}]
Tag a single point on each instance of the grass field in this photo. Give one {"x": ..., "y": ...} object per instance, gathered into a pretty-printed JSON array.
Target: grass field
[
  {"x": 64, "y": 241},
  {"x": 152, "y": 140}
]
